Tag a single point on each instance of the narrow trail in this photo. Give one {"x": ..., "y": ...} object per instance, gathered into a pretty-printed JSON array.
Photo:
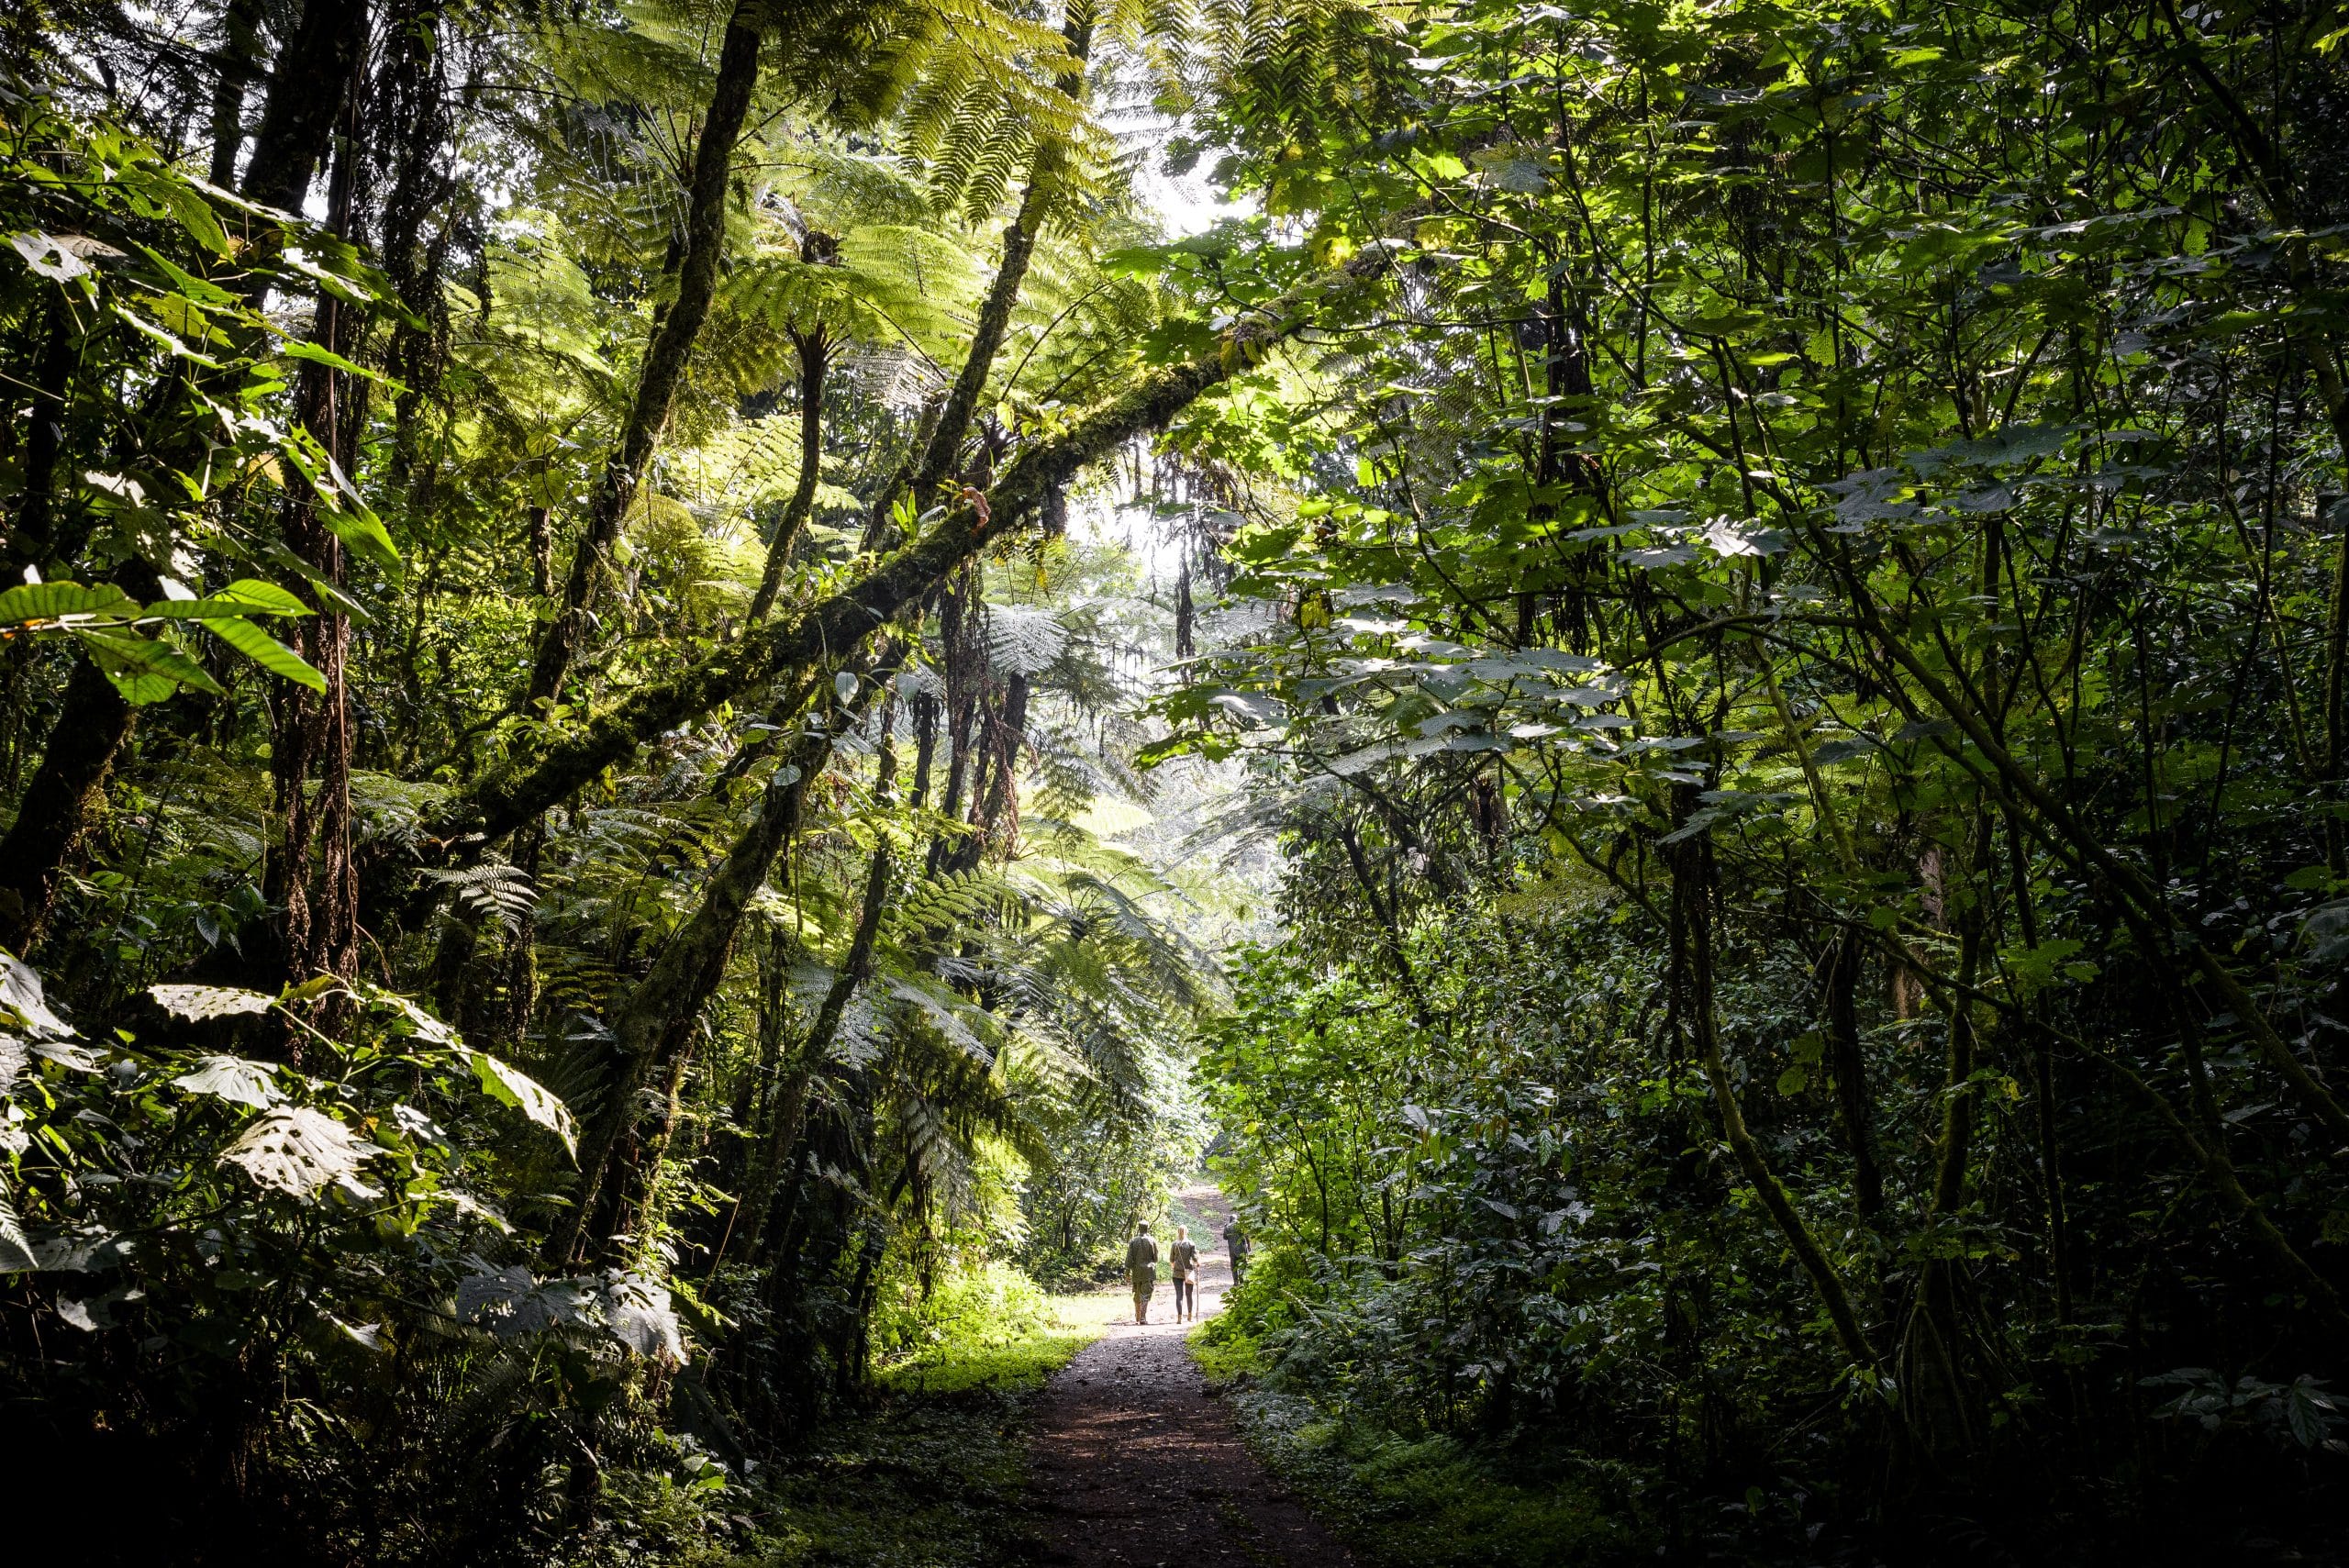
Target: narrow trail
[{"x": 1136, "y": 1463}]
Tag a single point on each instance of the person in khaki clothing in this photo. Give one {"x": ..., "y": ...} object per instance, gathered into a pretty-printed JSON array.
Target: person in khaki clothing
[
  {"x": 1141, "y": 1268},
  {"x": 1183, "y": 1263}
]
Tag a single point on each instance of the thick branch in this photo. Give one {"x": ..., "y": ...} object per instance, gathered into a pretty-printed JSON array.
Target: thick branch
[{"x": 543, "y": 776}]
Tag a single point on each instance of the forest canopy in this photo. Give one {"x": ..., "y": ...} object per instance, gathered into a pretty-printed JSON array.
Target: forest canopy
[{"x": 679, "y": 689}]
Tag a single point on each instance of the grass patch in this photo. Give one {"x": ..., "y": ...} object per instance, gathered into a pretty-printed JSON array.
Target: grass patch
[
  {"x": 935, "y": 1474},
  {"x": 1225, "y": 1358},
  {"x": 1014, "y": 1354}
]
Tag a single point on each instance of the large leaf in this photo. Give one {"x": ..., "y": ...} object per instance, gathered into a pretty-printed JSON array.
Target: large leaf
[
  {"x": 634, "y": 1309},
  {"x": 201, "y": 1002},
  {"x": 302, "y": 1151},
  {"x": 246, "y": 1083},
  {"x": 245, "y": 596},
  {"x": 143, "y": 670},
  {"x": 510, "y": 1086},
  {"x": 54, "y": 601},
  {"x": 266, "y": 651},
  {"x": 22, "y": 1005},
  {"x": 638, "y": 1313}
]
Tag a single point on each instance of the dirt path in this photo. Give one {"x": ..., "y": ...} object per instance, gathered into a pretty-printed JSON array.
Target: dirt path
[{"x": 1137, "y": 1464}]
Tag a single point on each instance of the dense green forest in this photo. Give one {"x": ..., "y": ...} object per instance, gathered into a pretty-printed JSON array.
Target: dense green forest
[{"x": 685, "y": 698}]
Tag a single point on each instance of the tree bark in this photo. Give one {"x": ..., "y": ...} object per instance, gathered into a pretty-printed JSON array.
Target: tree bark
[
  {"x": 664, "y": 358},
  {"x": 1692, "y": 867},
  {"x": 685, "y": 974},
  {"x": 1003, "y": 294},
  {"x": 59, "y": 803},
  {"x": 813, "y": 351},
  {"x": 320, "y": 928}
]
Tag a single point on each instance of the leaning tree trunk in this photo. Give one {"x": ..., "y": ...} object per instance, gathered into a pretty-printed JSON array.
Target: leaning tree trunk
[
  {"x": 814, "y": 351},
  {"x": 664, "y": 358},
  {"x": 1692, "y": 880},
  {"x": 60, "y": 802},
  {"x": 1044, "y": 175},
  {"x": 550, "y": 768},
  {"x": 662, "y": 1006}
]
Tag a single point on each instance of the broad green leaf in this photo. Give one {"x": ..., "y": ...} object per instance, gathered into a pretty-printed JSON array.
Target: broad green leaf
[
  {"x": 245, "y": 596},
  {"x": 266, "y": 651},
  {"x": 141, "y": 668},
  {"x": 363, "y": 532},
  {"x": 54, "y": 601},
  {"x": 509, "y": 1087},
  {"x": 189, "y": 285}
]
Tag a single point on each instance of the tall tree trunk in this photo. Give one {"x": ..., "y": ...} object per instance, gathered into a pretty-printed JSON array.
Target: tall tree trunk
[
  {"x": 307, "y": 90},
  {"x": 996, "y": 813},
  {"x": 1036, "y": 203},
  {"x": 238, "y": 54},
  {"x": 1692, "y": 880},
  {"x": 813, "y": 351},
  {"x": 664, "y": 358},
  {"x": 1840, "y": 982},
  {"x": 321, "y": 931}
]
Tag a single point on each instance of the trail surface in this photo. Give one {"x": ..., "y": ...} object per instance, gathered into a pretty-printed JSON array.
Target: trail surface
[{"x": 1136, "y": 1464}]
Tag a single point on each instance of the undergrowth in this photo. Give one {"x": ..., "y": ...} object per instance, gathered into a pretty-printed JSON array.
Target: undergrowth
[
  {"x": 1420, "y": 1500},
  {"x": 932, "y": 1473}
]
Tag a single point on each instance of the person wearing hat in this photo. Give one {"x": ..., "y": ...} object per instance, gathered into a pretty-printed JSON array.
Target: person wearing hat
[{"x": 1141, "y": 1268}]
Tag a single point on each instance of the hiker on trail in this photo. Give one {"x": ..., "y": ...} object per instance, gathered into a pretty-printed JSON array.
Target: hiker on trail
[
  {"x": 1141, "y": 1267},
  {"x": 1183, "y": 1263},
  {"x": 1235, "y": 1241}
]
